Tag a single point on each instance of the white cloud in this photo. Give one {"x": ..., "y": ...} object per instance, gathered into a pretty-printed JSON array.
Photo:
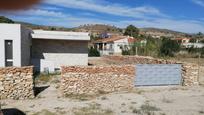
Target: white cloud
[
  {"x": 141, "y": 16},
  {"x": 36, "y": 12},
  {"x": 199, "y": 2},
  {"x": 103, "y": 6}
]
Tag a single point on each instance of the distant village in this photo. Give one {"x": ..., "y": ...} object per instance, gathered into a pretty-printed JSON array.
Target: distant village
[{"x": 143, "y": 42}]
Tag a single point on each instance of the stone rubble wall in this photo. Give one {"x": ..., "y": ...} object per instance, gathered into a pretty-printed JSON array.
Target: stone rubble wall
[
  {"x": 92, "y": 79},
  {"x": 16, "y": 83},
  {"x": 123, "y": 60},
  {"x": 190, "y": 74}
]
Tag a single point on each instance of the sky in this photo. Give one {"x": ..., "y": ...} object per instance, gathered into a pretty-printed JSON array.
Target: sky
[{"x": 179, "y": 15}]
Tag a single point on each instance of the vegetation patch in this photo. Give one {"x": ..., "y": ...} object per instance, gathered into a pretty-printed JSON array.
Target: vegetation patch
[
  {"x": 44, "y": 112},
  {"x": 80, "y": 97},
  {"x": 92, "y": 109},
  {"x": 86, "y": 97},
  {"x": 145, "y": 109},
  {"x": 44, "y": 77}
]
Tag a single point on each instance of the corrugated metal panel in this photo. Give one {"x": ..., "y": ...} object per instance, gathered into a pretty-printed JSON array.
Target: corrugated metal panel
[{"x": 158, "y": 74}]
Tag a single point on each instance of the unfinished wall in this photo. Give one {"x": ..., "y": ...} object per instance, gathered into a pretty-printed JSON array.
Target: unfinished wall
[
  {"x": 58, "y": 53},
  {"x": 91, "y": 79},
  {"x": 26, "y": 42},
  {"x": 16, "y": 83}
]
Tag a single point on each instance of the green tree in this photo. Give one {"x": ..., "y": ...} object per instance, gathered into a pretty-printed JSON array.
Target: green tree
[
  {"x": 152, "y": 47},
  {"x": 132, "y": 31},
  {"x": 169, "y": 47}
]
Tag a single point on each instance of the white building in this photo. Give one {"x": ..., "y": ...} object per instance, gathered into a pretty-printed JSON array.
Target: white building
[
  {"x": 113, "y": 45},
  {"x": 46, "y": 50},
  {"x": 194, "y": 45}
]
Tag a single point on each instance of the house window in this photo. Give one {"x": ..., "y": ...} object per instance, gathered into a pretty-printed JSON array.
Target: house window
[{"x": 8, "y": 53}]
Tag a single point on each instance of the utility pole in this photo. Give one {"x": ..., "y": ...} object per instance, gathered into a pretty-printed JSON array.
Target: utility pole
[
  {"x": 199, "y": 68},
  {"x": 136, "y": 50}
]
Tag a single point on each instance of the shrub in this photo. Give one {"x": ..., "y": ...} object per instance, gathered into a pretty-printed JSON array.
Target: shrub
[
  {"x": 125, "y": 52},
  {"x": 169, "y": 47},
  {"x": 93, "y": 52}
]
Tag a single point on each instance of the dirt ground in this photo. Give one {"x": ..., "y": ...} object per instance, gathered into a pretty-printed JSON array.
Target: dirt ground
[{"x": 167, "y": 100}]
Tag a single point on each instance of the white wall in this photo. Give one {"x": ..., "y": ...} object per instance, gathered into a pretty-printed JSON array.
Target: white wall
[
  {"x": 10, "y": 32},
  {"x": 118, "y": 43}
]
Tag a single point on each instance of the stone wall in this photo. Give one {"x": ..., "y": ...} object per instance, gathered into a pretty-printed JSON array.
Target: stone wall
[
  {"x": 190, "y": 74},
  {"x": 123, "y": 60},
  {"x": 16, "y": 83},
  {"x": 90, "y": 80}
]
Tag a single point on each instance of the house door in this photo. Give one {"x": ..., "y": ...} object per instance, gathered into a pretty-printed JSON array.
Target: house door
[{"x": 8, "y": 53}]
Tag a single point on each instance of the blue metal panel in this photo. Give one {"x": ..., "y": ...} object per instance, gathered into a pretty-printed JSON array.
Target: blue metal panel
[{"x": 158, "y": 74}]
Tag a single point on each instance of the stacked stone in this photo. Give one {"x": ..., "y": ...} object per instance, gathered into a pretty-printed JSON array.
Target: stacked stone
[
  {"x": 190, "y": 74},
  {"x": 16, "y": 83},
  {"x": 92, "y": 80},
  {"x": 123, "y": 60}
]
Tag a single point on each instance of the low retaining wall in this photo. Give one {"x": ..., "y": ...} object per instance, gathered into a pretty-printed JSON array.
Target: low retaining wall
[
  {"x": 190, "y": 74},
  {"x": 16, "y": 83},
  {"x": 123, "y": 60},
  {"x": 92, "y": 79}
]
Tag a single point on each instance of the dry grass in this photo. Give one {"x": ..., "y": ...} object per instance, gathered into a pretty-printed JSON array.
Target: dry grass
[
  {"x": 92, "y": 109},
  {"x": 145, "y": 109},
  {"x": 86, "y": 97},
  {"x": 80, "y": 97},
  {"x": 166, "y": 100},
  {"x": 44, "y": 112},
  {"x": 45, "y": 78}
]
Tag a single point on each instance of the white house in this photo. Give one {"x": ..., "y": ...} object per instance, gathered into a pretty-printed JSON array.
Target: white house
[
  {"x": 46, "y": 50},
  {"x": 113, "y": 45},
  {"x": 194, "y": 45}
]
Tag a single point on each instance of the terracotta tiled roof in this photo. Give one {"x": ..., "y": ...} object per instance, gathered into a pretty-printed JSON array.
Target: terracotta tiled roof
[
  {"x": 108, "y": 40},
  {"x": 181, "y": 38},
  {"x": 132, "y": 40}
]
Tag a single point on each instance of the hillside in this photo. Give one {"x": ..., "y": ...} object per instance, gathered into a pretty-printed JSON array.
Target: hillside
[
  {"x": 98, "y": 28},
  {"x": 5, "y": 20},
  {"x": 161, "y": 32},
  {"x": 34, "y": 26}
]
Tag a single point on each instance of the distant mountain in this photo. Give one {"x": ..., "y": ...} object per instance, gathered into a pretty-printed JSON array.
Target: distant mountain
[
  {"x": 162, "y": 32},
  {"x": 34, "y": 26},
  {"x": 98, "y": 28},
  {"x": 52, "y": 28}
]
